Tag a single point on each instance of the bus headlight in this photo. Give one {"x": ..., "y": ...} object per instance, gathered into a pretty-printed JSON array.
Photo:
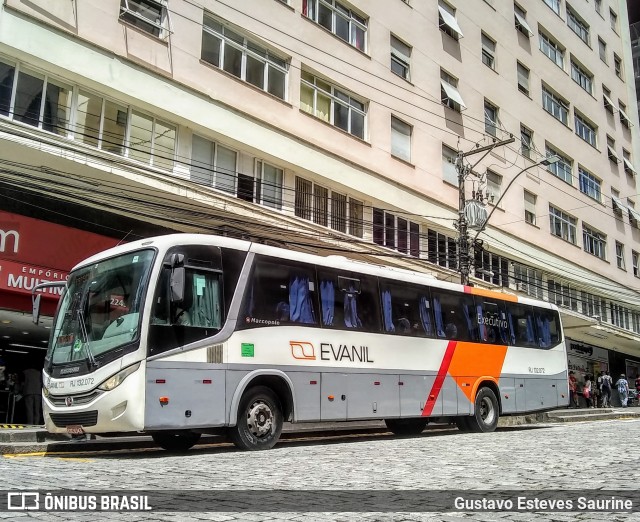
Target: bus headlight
[{"x": 118, "y": 378}]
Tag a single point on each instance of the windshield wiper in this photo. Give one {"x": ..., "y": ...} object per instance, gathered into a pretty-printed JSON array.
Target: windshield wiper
[{"x": 83, "y": 329}]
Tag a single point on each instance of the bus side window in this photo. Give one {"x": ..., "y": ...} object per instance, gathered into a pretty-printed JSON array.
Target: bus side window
[
  {"x": 406, "y": 310},
  {"x": 491, "y": 317},
  {"x": 455, "y": 316},
  {"x": 546, "y": 328},
  {"x": 521, "y": 325}
]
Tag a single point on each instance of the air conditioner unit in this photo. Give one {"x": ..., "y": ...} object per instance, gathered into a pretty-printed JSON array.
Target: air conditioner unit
[{"x": 521, "y": 287}]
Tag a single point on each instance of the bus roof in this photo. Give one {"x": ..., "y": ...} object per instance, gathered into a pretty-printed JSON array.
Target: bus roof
[{"x": 163, "y": 243}]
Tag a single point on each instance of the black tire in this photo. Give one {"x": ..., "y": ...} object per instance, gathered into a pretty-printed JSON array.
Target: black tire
[
  {"x": 486, "y": 412},
  {"x": 260, "y": 420},
  {"x": 463, "y": 423},
  {"x": 406, "y": 426},
  {"x": 176, "y": 441}
]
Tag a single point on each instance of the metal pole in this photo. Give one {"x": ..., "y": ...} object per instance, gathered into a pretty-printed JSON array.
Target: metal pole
[{"x": 463, "y": 236}]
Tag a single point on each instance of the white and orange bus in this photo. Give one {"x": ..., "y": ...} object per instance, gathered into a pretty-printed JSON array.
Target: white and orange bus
[{"x": 181, "y": 335}]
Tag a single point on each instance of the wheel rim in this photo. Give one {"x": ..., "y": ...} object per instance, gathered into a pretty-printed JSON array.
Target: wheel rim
[
  {"x": 260, "y": 419},
  {"x": 487, "y": 411}
]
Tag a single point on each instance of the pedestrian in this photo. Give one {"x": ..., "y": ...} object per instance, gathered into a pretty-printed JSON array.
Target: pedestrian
[
  {"x": 586, "y": 391},
  {"x": 32, "y": 394},
  {"x": 623, "y": 390},
  {"x": 573, "y": 390},
  {"x": 606, "y": 390}
]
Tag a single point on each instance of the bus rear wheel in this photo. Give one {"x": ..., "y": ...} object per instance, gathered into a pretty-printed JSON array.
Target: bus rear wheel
[
  {"x": 406, "y": 426},
  {"x": 259, "y": 422},
  {"x": 176, "y": 441},
  {"x": 486, "y": 412}
]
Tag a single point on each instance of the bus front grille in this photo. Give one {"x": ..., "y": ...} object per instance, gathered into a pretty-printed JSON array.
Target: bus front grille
[
  {"x": 81, "y": 398},
  {"x": 85, "y": 418}
]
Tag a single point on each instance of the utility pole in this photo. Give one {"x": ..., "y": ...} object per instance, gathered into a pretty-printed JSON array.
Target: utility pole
[{"x": 464, "y": 260}]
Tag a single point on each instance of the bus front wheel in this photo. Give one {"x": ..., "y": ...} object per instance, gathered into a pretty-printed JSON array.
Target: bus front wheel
[
  {"x": 176, "y": 441},
  {"x": 486, "y": 412},
  {"x": 406, "y": 426},
  {"x": 259, "y": 422}
]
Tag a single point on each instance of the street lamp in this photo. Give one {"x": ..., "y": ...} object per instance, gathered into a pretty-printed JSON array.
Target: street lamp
[{"x": 464, "y": 241}]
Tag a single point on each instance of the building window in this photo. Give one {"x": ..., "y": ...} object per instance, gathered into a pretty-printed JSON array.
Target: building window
[
  {"x": 594, "y": 242},
  {"x": 45, "y": 103},
  {"x": 578, "y": 25},
  {"x": 269, "y": 180},
  {"x": 611, "y": 150},
  {"x": 339, "y": 20},
  {"x": 243, "y": 58},
  {"x": 602, "y": 49},
  {"x": 528, "y": 280},
  {"x": 332, "y": 104},
  {"x": 148, "y": 15},
  {"x": 598, "y": 6},
  {"x": 400, "y": 58},
  {"x": 555, "y": 105},
  {"x": 589, "y": 184},
  {"x": 490, "y": 118},
  {"x": 582, "y": 77},
  {"x": 526, "y": 140},
  {"x": 552, "y": 50},
  {"x": 492, "y": 268},
  {"x": 521, "y": 21},
  {"x": 449, "y": 173},
  {"x": 213, "y": 165},
  {"x": 587, "y": 131},
  {"x": 396, "y": 232},
  {"x": 488, "y": 51},
  {"x": 327, "y": 208},
  {"x": 624, "y": 119},
  {"x": 626, "y": 161},
  {"x": 562, "y": 225},
  {"x": 613, "y": 19},
  {"x": 617, "y": 65},
  {"x": 635, "y": 260},
  {"x": 606, "y": 97},
  {"x": 400, "y": 139},
  {"x": 620, "y": 255},
  {"x": 494, "y": 185},
  {"x": 449, "y": 94},
  {"x": 563, "y": 168},
  {"x": 447, "y": 20},
  {"x": 553, "y": 4},
  {"x": 523, "y": 79},
  {"x": 562, "y": 295},
  {"x": 442, "y": 250},
  {"x": 619, "y": 315},
  {"x": 530, "y": 207},
  {"x": 594, "y": 306}
]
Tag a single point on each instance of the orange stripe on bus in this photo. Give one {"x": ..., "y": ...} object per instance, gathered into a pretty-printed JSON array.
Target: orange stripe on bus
[
  {"x": 473, "y": 359},
  {"x": 490, "y": 293}
]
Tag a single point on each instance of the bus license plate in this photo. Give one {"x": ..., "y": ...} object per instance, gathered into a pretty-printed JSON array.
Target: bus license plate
[{"x": 75, "y": 430}]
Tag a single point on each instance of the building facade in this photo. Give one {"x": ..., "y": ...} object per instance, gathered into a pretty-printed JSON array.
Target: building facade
[{"x": 334, "y": 127}]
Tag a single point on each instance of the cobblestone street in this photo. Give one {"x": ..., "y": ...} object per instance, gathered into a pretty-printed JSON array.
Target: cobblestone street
[{"x": 579, "y": 456}]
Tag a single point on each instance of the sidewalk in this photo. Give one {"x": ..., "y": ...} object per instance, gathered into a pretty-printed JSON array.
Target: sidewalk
[{"x": 35, "y": 440}]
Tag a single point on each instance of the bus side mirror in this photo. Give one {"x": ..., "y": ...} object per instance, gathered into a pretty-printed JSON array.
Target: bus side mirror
[
  {"x": 177, "y": 284},
  {"x": 35, "y": 308}
]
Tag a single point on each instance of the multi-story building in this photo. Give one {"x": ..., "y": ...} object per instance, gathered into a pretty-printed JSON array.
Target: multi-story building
[{"x": 333, "y": 126}]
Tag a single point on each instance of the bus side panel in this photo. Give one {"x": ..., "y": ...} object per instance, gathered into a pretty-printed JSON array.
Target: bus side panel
[
  {"x": 195, "y": 396},
  {"x": 306, "y": 403},
  {"x": 562, "y": 390},
  {"x": 449, "y": 396},
  {"x": 413, "y": 394},
  {"x": 541, "y": 393},
  {"x": 508, "y": 394},
  {"x": 373, "y": 395},
  {"x": 334, "y": 396},
  {"x": 465, "y": 406}
]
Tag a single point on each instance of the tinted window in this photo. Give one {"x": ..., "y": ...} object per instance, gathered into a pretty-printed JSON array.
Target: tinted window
[
  {"x": 521, "y": 325},
  {"x": 349, "y": 301},
  {"x": 454, "y": 315},
  {"x": 406, "y": 310},
  {"x": 547, "y": 327},
  {"x": 491, "y": 318},
  {"x": 280, "y": 293}
]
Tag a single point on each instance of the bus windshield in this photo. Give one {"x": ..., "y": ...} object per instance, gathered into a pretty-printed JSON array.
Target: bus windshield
[{"x": 100, "y": 310}]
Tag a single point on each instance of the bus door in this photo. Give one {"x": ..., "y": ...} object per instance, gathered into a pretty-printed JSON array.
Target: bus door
[{"x": 333, "y": 396}]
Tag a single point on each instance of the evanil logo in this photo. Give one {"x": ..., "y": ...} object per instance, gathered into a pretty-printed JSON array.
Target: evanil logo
[
  {"x": 4, "y": 240},
  {"x": 302, "y": 350}
]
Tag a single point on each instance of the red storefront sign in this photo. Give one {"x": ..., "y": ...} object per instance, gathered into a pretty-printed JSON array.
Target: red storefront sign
[{"x": 34, "y": 251}]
